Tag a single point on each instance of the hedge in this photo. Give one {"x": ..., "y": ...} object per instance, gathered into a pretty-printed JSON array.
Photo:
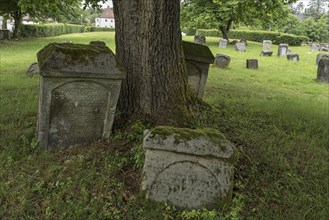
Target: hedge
[
  {"x": 257, "y": 36},
  {"x": 49, "y": 30}
]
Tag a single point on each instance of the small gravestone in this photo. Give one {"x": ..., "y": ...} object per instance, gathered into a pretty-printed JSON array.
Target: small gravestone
[
  {"x": 244, "y": 41},
  {"x": 282, "y": 50},
  {"x": 252, "y": 64},
  {"x": 79, "y": 89},
  {"x": 197, "y": 60},
  {"x": 4, "y": 34},
  {"x": 293, "y": 57},
  {"x": 200, "y": 40},
  {"x": 320, "y": 56},
  {"x": 33, "y": 69},
  {"x": 267, "y": 45},
  {"x": 324, "y": 48},
  {"x": 315, "y": 47},
  {"x": 266, "y": 53},
  {"x": 241, "y": 47},
  {"x": 222, "y": 43},
  {"x": 189, "y": 168},
  {"x": 323, "y": 70},
  {"x": 222, "y": 61}
]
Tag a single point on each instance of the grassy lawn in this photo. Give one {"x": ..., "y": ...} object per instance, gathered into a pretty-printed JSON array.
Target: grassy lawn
[{"x": 277, "y": 116}]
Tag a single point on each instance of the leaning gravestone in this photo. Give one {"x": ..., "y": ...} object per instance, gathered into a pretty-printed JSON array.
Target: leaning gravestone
[
  {"x": 267, "y": 44},
  {"x": 323, "y": 70},
  {"x": 293, "y": 57},
  {"x": 188, "y": 168},
  {"x": 241, "y": 47},
  {"x": 252, "y": 64},
  {"x": 200, "y": 40},
  {"x": 79, "y": 89},
  {"x": 222, "y": 43},
  {"x": 320, "y": 56},
  {"x": 222, "y": 61},
  {"x": 197, "y": 60},
  {"x": 315, "y": 47},
  {"x": 283, "y": 50}
]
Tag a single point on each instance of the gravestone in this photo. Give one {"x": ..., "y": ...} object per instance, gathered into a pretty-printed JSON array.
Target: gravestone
[
  {"x": 4, "y": 34},
  {"x": 79, "y": 90},
  {"x": 222, "y": 43},
  {"x": 189, "y": 168},
  {"x": 323, "y": 70},
  {"x": 233, "y": 42},
  {"x": 197, "y": 59},
  {"x": 266, "y": 53},
  {"x": 293, "y": 57},
  {"x": 282, "y": 50},
  {"x": 33, "y": 69},
  {"x": 222, "y": 61},
  {"x": 267, "y": 45},
  {"x": 252, "y": 64},
  {"x": 315, "y": 47},
  {"x": 241, "y": 47},
  {"x": 200, "y": 40},
  {"x": 320, "y": 56},
  {"x": 244, "y": 41}
]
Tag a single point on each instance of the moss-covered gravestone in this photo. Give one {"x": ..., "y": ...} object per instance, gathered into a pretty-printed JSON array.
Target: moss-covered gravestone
[
  {"x": 323, "y": 70},
  {"x": 79, "y": 89},
  {"x": 188, "y": 168},
  {"x": 197, "y": 59}
]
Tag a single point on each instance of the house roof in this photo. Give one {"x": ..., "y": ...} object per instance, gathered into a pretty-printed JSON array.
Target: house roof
[{"x": 107, "y": 13}]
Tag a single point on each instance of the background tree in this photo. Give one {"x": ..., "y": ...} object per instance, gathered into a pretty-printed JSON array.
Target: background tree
[
  {"x": 11, "y": 8},
  {"x": 316, "y": 8},
  {"x": 224, "y": 13}
]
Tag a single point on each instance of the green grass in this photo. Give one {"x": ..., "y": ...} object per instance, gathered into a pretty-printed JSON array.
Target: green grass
[{"x": 277, "y": 116}]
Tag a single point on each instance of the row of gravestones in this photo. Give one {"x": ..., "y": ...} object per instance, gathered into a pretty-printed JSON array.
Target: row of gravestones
[{"x": 79, "y": 90}]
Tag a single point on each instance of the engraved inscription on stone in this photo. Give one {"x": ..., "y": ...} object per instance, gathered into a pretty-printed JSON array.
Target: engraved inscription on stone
[
  {"x": 77, "y": 113},
  {"x": 183, "y": 182}
]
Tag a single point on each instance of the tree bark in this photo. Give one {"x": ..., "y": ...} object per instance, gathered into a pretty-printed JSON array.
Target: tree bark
[
  {"x": 18, "y": 17},
  {"x": 226, "y": 29},
  {"x": 148, "y": 44}
]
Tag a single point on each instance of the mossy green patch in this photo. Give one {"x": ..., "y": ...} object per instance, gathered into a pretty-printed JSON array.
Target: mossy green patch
[{"x": 192, "y": 50}]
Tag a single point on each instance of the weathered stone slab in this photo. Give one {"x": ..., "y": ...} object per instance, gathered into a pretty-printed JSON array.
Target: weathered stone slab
[
  {"x": 267, "y": 45},
  {"x": 266, "y": 53},
  {"x": 4, "y": 34},
  {"x": 252, "y": 64},
  {"x": 315, "y": 47},
  {"x": 244, "y": 41},
  {"x": 241, "y": 47},
  {"x": 320, "y": 56},
  {"x": 223, "y": 43},
  {"x": 79, "y": 89},
  {"x": 222, "y": 61},
  {"x": 283, "y": 50},
  {"x": 197, "y": 59},
  {"x": 323, "y": 70},
  {"x": 188, "y": 168},
  {"x": 200, "y": 40},
  {"x": 293, "y": 57}
]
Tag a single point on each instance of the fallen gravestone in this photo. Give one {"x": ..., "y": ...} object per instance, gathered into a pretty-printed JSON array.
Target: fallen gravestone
[
  {"x": 320, "y": 56},
  {"x": 241, "y": 47},
  {"x": 200, "y": 40},
  {"x": 267, "y": 45},
  {"x": 222, "y": 43},
  {"x": 197, "y": 59},
  {"x": 222, "y": 61},
  {"x": 282, "y": 50},
  {"x": 323, "y": 70},
  {"x": 266, "y": 53},
  {"x": 293, "y": 57},
  {"x": 252, "y": 64},
  {"x": 4, "y": 34},
  {"x": 79, "y": 89},
  {"x": 189, "y": 168},
  {"x": 315, "y": 47}
]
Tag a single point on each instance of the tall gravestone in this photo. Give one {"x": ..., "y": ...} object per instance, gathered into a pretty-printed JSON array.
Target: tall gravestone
[
  {"x": 323, "y": 70},
  {"x": 283, "y": 50},
  {"x": 188, "y": 168},
  {"x": 320, "y": 56},
  {"x": 79, "y": 90},
  {"x": 222, "y": 61},
  {"x": 222, "y": 43},
  {"x": 197, "y": 59}
]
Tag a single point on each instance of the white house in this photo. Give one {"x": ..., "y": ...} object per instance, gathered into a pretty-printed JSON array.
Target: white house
[{"x": 106, "y": 19}]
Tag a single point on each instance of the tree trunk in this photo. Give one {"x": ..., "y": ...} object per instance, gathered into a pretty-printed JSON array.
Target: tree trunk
[
  {"x": 18, "y": 16},
  {"x": 148, "y": 44},
  {"x": 226, "y": 29}
]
